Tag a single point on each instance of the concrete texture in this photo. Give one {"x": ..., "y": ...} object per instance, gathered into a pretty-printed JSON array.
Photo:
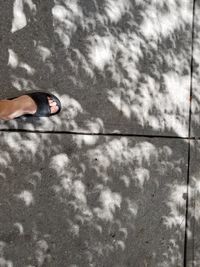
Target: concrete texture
[
  {"x": 196, "y": 74},
  {"x": 75, "y": 200},
  {"x": 118, "y": 66},
  {"x": 193, "y": 249},
  {"x": 117, "y": 198}
]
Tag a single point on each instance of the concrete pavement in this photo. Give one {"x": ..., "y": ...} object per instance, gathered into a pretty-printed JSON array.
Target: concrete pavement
[{"x": 113, "y": 180}]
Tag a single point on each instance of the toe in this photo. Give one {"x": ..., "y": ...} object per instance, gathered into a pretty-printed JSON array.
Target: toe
[
  {"x": 50, "y": 100},
  {"x": 54, "y": 109},
  {"x": 53, "y": 105}
]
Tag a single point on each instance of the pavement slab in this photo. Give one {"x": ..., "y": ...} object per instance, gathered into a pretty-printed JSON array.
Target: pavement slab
[
  {"x": 122, "y": 70},
  {"x": 117, "y": 66},
  {"x": 83, "y": 200},
  {"x": 193, "y": 245},
  {"x": 195, "y": 120}
]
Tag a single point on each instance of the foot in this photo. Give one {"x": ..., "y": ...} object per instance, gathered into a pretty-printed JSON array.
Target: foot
[
  {"x": 22, "y": 105},
  {"x": 10, "y": 109},
  {"x": 30, "y": 106}
]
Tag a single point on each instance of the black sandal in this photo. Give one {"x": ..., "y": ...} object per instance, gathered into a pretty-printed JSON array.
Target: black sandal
[{"x": 43, "y": 108}]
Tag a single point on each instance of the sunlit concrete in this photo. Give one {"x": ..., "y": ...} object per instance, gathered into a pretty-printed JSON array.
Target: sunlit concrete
[
  {"x": 79, "y": 200},
  {"x": 118, "y": 66},
  {"x": 195, "y": 118},
  {"x": 193, "y": 248}
]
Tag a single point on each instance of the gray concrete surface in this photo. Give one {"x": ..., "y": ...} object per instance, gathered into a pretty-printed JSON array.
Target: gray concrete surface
[
  {"x": 71, "y": 200},
  {"x": 193, "y": 249},
  {"x": 118, "y": 66},
  {"x": 195, "y": 81},
  {"x": 122, "y": 69}
]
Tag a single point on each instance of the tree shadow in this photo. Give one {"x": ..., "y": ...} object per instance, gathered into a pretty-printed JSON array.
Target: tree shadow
[
  {"x": 84, "y": 200},
  {"x": 195, "y": 77},
  {"x": 119, "y": 63},
  {"x": 117, "y": 202}
]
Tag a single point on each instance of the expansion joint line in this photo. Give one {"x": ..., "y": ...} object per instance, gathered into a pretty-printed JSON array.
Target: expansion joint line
[
  {"x": 192, "y": 138},
  {"x": 189, "y": 138}
]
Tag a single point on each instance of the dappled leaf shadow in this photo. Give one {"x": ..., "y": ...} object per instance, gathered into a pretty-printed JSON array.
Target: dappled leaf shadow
[
  {"x": 109, "y": 201},
  {"x": 196, "y": 72},
  {"x": 85, "y": 200},
  {"x": 123, "y": 65}
]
